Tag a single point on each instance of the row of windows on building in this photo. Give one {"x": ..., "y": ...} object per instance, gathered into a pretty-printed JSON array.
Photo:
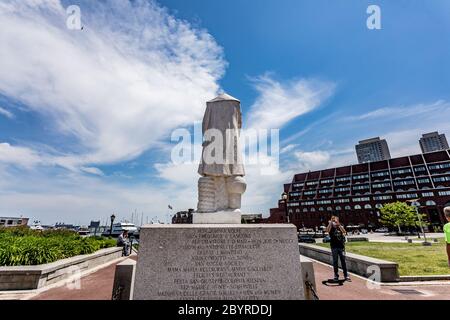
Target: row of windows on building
[
  {"x": 348, "y": 207},
  {"x": 404, "y": 181},
  {"x": 367, "y": 187},
  {"x": 366, "y": 199},
  {"x": 377, "y": 175},
  {"x": 10, "y": 222}
]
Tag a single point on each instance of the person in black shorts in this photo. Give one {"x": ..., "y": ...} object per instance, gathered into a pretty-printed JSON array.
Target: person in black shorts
[{"x": 337, "y": 243}]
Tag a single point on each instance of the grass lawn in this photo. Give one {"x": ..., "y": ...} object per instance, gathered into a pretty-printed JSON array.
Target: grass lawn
[{"x": 413, "y": 258}]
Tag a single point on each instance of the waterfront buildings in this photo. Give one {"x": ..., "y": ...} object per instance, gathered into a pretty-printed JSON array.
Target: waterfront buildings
[{"x": 357, "y": 192}]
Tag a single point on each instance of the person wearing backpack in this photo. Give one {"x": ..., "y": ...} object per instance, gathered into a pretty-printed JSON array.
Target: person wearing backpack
[{"x": 337, "y": 235}]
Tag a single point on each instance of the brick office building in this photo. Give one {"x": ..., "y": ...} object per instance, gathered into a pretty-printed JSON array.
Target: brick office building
[
  {"x": 183, "y": 217},
  {"x": 357, "y": 192}
]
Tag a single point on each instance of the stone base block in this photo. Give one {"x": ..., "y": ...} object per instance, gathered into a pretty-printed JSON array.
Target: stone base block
[
  {"x": 218, "y": 261},
  {"x": 124, "y": 280},
  {"x": 221, "y": 217}
]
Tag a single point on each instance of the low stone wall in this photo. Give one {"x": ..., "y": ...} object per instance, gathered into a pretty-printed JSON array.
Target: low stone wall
[
  {"x": 443, "y": 277},
  {"x": 361, "y": 265},
  {"x": 357, "y": 239},
  {"x": 124, "y": 276},
  {"x": 36, "y": 277}
]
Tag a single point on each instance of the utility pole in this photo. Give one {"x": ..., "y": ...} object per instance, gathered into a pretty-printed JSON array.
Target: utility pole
[{"x": 416, "y": 204}]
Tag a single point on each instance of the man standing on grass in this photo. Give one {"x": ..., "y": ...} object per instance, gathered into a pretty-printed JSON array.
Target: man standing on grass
[
  {"x": 447, "y": 232},
  {"x": 337, "y": 243}
]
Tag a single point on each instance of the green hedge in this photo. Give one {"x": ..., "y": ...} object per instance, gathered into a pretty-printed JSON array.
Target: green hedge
[{"x": 22, "y": 246}]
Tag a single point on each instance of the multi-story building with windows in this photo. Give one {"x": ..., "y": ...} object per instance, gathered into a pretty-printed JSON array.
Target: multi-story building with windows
[
  {"x": 183, "y": 217},
  {"x": 374, "y": 149},
  {"x": 433, "y": 141},
  {"x": 13, "y": 221},
  {"x": 357, "y": 192}
]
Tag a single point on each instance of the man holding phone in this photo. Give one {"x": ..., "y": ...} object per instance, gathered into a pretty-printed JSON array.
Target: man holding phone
[{"x": 337, "y": 242}]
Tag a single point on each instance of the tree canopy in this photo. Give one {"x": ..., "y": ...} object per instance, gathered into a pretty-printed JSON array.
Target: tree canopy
[{"x": 399, "y": 214}]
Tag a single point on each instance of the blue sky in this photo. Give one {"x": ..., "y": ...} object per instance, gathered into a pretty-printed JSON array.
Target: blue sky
[{"x": 86, "y": 116}]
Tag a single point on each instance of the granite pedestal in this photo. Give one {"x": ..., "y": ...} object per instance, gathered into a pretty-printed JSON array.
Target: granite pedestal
[
  {"x": 218, "y": 261},
  {"x": 221, "y": 217}
]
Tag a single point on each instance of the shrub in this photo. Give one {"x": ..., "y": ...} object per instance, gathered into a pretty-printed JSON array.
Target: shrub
[{"x": 22, "y": 246}]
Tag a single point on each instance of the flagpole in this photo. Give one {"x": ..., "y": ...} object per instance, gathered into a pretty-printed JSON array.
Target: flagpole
[{"x": 169, "y": 207}]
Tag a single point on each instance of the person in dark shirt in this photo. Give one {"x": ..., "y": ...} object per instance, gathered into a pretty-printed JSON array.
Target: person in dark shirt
[{"x": 337, "y": 235}]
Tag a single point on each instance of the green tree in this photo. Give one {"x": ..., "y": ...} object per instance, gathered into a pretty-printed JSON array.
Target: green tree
[{"x": 399, "y": 214}]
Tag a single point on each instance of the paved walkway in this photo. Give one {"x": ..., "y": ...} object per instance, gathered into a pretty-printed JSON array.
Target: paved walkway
[
  {"x": 98, "y": 286},
  {"x": 359, "y": 290},
  {"x": 95, "y": 286}
]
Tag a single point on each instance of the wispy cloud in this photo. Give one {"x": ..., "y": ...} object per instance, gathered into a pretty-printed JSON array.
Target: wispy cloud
[
  {"x": 279, "y": 103},
  {"x": 93, "y": 170},
  {"x": 118, "y": 86},
  {"x": 312, "y": 160},
  {"x": 19, "y": 156},
  {"x": 262, "y": 190},
  {"x": 288, "y": 148},
  {"x": 306, "y": 130},
  {"x": 6, "y": 113},
  {"x": 109, "y": 93},
  {"x": 391, "y": 113},
  {"x": 76, "y": 198}
]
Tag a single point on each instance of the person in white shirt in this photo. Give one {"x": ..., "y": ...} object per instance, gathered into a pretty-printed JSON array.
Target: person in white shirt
[{"x": 124, "y": 241}]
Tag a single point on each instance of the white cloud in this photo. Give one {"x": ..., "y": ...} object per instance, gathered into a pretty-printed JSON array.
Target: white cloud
[
  {"x": 118, "y": 86},
  {"x": 288, "y": 148},
  {"x": 406, "y": 142},
  {"x": 19, "y": 156},
  {"x": 74, "y": 198},
  {"x": 279, "y": 103},
  {"x": 115, "y": 90},
  {"x": 263, "y": 187},
  {"x": 92, "y": 170},
  {"x": 401, "y": 126},
  {"x": 313, "y": 160},
  {"x": 183, "y": 175},
  {"x": 6, "y": 113},
  {"x": 391, "y": 113}
]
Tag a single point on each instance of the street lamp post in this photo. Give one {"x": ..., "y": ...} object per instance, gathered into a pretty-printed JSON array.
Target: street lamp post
[
  {"x": 285, "y": 197},
  {"x": 416, "y": 205},
  {"x": 112, "y": 221}
]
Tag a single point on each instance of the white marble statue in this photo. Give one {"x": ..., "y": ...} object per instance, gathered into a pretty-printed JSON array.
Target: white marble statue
[{"x": 222, "y": 184}]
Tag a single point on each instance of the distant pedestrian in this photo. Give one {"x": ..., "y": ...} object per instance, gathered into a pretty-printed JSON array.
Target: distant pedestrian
[
  {"x": 124, "y": 241},
  {"x": 337, "y": 235},
  {"x": 447, "y": 232}
]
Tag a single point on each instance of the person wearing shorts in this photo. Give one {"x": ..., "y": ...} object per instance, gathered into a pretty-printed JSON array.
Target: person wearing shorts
[{"x": 447, "y": 232}]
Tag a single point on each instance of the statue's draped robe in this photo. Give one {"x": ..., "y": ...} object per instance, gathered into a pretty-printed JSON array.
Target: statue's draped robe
[{"x": 223, "y": 115}]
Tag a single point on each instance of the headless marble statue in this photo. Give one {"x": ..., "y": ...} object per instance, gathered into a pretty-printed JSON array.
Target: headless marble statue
[{"x": 222, "y": 184}]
